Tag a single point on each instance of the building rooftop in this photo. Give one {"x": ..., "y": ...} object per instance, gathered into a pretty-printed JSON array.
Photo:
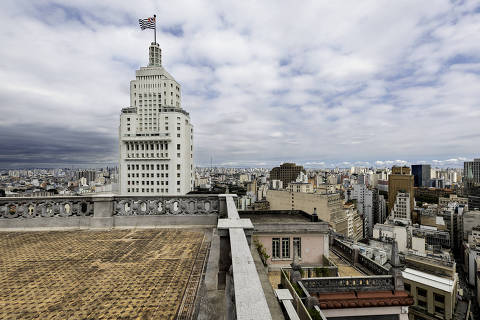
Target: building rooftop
[
  {"x": 345, "y": 269},
  {"x": 431, "y": 280},
  {"x": 127, "y": 274},
  {"x": 277, "y": 216}
]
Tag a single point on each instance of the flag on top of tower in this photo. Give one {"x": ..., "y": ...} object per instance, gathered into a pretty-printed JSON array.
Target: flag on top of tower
[{"x": 148, "y": 23}]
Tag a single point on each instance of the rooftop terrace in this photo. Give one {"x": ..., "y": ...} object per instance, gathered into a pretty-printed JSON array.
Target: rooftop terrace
[{"x": 119, "y": 274}]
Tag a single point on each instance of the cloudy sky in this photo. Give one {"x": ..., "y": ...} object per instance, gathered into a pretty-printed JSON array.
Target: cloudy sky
[{"x": 322, "y": 83}]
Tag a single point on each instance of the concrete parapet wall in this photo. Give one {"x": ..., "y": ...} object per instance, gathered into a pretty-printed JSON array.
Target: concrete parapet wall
[{"x": 108, "y": 212}]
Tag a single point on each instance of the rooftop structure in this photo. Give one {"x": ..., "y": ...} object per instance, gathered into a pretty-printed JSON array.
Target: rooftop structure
[
  {"x": 154, "y": 264},
  {"x": 143, "y": 273}
]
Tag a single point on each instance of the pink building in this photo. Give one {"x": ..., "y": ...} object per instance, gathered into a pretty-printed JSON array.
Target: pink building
[{"x": 281, "y": 232}]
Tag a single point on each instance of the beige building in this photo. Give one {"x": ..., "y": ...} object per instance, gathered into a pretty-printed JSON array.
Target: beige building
[
  {"x": 400, "y": 180},
  {"x": 281, "y": 234},
  {"x": 434, "y": 289},
  {"x": 300, "y": 187},
  {"x": 329, "y": 207},
  {"x": 443, "y": 202}
]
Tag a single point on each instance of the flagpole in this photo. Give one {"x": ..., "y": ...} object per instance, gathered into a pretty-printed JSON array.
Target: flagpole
[{"x": 155, "y": 29}]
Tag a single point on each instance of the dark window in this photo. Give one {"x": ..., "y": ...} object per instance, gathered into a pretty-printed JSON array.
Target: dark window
[
  {"x": 275, "y": 247},
  {"x": 439, "y": 297},
  {"x": 439, "y": 310},
  {"x": 421, "y": 292}
]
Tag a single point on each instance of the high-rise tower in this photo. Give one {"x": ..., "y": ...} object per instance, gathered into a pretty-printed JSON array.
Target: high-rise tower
[{"x": 156, "y": 135}]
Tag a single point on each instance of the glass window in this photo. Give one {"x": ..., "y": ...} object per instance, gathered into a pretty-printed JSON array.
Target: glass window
[
  {"x": 276, "y": 248},
  {"x": 297, "y": 246},
  {"x": 421, "y": 292},
  {"x": 439, "y": 310},
  {"x": 285, "y": 247},
  {"x": 422, "y": 304},
  {"x": 439, "y": 297}
]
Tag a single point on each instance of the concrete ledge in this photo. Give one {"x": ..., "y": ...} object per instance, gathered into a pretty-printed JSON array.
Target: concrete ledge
[
  {"x": 234, "y": 223},
  {"x": 79, "y": 222},
  {"x": 153, "y": 221},
  {"x": 101, "y": 223},
  {"x": 76, "y": 222}
]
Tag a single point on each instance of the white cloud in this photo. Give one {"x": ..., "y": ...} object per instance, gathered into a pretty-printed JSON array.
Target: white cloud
[{"x": 334, "y": 82}]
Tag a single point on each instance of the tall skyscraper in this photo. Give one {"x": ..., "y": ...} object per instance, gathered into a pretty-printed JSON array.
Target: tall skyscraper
[
  {"x": 156, "y": 135},
  {"x": 471, "y": 180},
  {"x": 400, "y": 181},
  {"x": 421, "y": 175},
  {"x": 471, "y": 171}
]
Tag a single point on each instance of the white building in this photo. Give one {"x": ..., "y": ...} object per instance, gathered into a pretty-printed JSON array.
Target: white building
[
  {"x": 300, "y": 187},
  {"x": 401, "y": 208},
  {"x": 364, "y": 197},
  {"x": 156, "y": 135},
  {"x": 389, "y": 231}
]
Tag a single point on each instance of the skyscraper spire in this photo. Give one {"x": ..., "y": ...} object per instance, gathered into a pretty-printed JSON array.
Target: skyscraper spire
[{"x": 154, "y": 55}]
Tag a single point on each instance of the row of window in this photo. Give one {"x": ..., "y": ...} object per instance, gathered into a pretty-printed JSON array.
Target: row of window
[
  {"x": 148, "y": 146},
  {"x": 149, "y": 78},
  {"x": 149, "y": 190},
  {"x": 148, "y": 182},
  {"x": 149, "y": 175},
  {"x": 439, "y": 299},
  {"x": 146, "y": 155},
  {"x": 149, "y": 167},
  {"x": 281, "y": 247}
]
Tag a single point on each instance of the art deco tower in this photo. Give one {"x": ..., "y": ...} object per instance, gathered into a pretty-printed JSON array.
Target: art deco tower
[{"x": 155, "y": 134}]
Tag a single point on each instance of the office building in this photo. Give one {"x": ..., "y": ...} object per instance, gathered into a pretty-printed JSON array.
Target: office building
[
  {"x": 286, "y": 172},
  {"x": 400, "y": 180},
  {"x": 433, "y": 285},
  {"x": 471, "y": 170},
  {"x": 421, "y": 175},
  {"x": 156, "y": 135},
  {"x": 364, "y": 197},
  {"x": 328, "y": 207}
]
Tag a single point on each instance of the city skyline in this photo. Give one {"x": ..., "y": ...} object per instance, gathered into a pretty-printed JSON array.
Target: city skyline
[{"x": 353, "y": 85}]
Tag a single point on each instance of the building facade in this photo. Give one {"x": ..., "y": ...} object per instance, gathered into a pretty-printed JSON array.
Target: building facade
[
  {"x": 471, "y": 170},
  {"x": 155, "y": 134},
  {"x": 400, "y": 180},
  {"x": 286, "y": 172},
  {"x": 328, "y": 207},
  {"x": 421, "y": 174}
]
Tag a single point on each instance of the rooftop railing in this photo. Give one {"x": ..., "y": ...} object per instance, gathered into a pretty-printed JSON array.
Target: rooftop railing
[
  {"x": 346, "y": 284},
  {"x": 102, "y": 211}
]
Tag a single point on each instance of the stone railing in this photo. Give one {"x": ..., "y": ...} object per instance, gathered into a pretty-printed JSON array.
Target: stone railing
[
  {"x": 45, "y": 207},
  {"x": 372, "y": 266},
  {"x": 297, "y": 302},
  {"x": 102, "y": 211},
  {"x": 186, "y": 205},
  {"x": 347, "y": 251},
  {"x": 345, "y": 284}
]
